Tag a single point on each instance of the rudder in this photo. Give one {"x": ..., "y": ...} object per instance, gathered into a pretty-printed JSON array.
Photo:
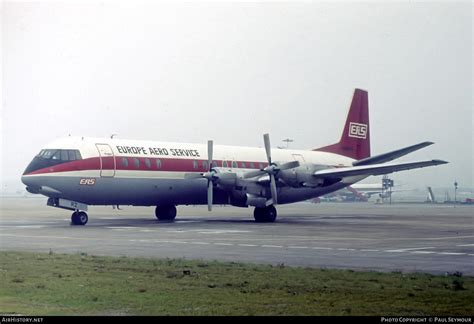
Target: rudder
[{"x": 355, "y": 139}]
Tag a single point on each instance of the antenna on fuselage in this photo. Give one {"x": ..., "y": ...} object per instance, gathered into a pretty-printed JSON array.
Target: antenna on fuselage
[{"x": 112, "y": 136}]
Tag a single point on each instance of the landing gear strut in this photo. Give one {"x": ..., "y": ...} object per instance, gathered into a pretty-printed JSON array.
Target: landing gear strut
[
  {"x": 265, "y": 214},
  {"x": 165, "y": 213},
  {"x": 79, "y": 218}
]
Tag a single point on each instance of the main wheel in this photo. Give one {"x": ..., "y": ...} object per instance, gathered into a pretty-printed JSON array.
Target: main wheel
[
  {"x": 265, "y": 214},
  {"x": 79, "y": 218},
  {"x": 165, "y": 213}
]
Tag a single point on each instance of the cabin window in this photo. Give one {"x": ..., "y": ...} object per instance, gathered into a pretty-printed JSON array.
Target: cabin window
[
  {"x": 214, "y": 164},
  {"x": 252, "y": 166},
  {"x": 260, "y": 165},
  {"x": 158, "y": 163},
  {"x": 224, "y": 164},
  {"x": 136, "y": 163},
  {"x": 195, "y": 164},
  {"x": 125, "y": 162},
  {"x": 148, "y": 163},
  {"x": 204, "y": 165},
  {"x": 234, "y": 164},
  {"x": 243, "y": 165}
]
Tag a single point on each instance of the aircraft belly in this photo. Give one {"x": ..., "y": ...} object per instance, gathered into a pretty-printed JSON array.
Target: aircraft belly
[
  {"x": 151, "y": 192},
  {"x": 138, "y": 191}
]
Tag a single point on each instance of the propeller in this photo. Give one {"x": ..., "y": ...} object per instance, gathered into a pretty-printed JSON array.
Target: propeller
[
  {"x": 213, "y": 176},
  {"x": 209, "y": 175},
  {"x": 272, "y": 169}
]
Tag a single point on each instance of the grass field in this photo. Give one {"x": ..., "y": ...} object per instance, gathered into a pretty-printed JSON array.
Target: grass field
[{"x": 56, "y": 284}]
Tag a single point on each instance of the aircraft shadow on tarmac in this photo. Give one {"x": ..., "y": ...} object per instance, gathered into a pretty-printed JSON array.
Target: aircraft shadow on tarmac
[{"x": 192, "y": 222}]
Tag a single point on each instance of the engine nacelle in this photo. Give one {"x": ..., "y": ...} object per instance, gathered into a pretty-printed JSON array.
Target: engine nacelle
[
  {"x": 302, "y": 176},
  {"x": 256, "y": 201}
]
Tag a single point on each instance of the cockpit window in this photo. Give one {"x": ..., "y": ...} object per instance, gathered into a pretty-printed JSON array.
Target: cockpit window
[
  {"x": 64, "y": 155},
  {"x": 56, "y": 155},
  {"x": 60, "y": 155},
  {"x": 71, "y": 155},
  {"x": 47, "y": 154}
]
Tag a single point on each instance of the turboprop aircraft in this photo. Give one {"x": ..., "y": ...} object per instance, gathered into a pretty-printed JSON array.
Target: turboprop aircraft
[{"x": 75, "y": 172}]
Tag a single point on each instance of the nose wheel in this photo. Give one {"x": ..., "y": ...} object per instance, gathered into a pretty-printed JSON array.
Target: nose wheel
[{"x": 79, "y": 218}]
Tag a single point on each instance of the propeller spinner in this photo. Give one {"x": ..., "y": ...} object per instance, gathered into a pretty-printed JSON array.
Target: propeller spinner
[{"x": 272, "y": 169}]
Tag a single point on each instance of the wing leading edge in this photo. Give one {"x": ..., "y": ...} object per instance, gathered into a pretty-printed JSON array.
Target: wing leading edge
[{"x": 374, "y": 169}]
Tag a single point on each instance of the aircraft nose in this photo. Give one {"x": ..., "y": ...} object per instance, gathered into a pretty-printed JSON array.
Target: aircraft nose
[
  {"x": 30, "y": 184},
  {"x": 25, "y": 179}
]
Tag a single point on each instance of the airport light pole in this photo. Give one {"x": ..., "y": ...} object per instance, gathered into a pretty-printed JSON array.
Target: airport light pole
[
  {"x": 288, "y": 141},
  {"x": 387, "y": 185},
  {"x": 455, "y": 192}
]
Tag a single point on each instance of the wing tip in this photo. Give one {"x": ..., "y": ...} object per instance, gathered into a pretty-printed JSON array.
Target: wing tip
[{"x": 438, "y": 162}]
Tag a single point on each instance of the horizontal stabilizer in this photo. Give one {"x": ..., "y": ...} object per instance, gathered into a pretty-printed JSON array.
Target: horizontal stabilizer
[
  {"x": 374, "y": 169},
  {"x": 382, "y": 158}
]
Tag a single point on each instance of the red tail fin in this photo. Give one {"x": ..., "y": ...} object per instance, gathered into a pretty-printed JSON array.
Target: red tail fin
[{"x": 355, "y": 139}]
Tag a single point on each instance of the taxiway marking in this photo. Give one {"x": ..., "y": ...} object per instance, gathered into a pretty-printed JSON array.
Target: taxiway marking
[
  {"x": 417, "y": 251},
  {"x": 409, "y": 249}
]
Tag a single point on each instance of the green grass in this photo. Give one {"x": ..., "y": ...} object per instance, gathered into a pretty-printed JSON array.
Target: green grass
[{"x": 56, "y": 284}]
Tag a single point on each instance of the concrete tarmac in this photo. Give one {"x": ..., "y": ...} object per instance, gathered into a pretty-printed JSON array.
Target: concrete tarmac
[{"x": 360, "y": 236}]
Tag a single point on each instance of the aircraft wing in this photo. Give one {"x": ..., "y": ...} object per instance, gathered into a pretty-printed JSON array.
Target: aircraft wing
[{"x": 374, "y": 169}]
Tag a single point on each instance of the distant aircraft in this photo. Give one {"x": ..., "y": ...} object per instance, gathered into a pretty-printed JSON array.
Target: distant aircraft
[
  {"x": 355, "y": 192},
  {"x": 361, "y": 192},
  {"x": 75, "y": 172}
]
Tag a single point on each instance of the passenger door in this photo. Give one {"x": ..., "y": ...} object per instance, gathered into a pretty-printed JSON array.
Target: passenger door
[{"x": 107, "y": 160}]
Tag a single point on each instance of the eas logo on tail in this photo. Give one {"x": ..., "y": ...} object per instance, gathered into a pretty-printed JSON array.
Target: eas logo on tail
[{"x": 358, "y": 130}]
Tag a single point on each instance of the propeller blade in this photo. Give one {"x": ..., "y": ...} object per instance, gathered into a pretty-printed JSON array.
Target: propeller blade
[
  {"x": 210, "y": 145},
  {"x": 252, "y": 174},
  {"x": 209, "y": 195},
  {"x": 289, "y": 165},
  {"x": 273, "y": 189},
  {"x": 266, "y": 140}
]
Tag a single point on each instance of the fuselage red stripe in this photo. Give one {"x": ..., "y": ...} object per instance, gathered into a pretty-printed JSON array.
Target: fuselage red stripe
[{"x": 145, "y": 164}]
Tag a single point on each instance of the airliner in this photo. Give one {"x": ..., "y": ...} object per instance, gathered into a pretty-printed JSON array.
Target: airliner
[{"x": 75, "y": 172}]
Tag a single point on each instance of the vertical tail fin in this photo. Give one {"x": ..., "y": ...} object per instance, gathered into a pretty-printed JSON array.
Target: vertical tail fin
[{"x": 355, "y": 139}]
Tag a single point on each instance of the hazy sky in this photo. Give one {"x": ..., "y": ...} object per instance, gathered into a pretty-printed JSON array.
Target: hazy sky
[{"x": 233, "y": 71}]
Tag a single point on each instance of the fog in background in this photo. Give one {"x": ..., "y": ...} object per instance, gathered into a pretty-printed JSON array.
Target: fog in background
[{"x": 232, "y": 71}]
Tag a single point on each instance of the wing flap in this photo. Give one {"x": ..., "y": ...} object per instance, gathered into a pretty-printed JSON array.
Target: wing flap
[{"x": 374, "y": 169}]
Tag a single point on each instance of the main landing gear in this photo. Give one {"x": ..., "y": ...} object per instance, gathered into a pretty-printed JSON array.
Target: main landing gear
[
  {"x": 265, "y": 214},
  {"x": 79, "y": 218},
  {"x": 165, "y": 213}
]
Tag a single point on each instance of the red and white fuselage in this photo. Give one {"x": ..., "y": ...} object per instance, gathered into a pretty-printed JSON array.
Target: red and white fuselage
[{"x": 116, "y": 171}]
